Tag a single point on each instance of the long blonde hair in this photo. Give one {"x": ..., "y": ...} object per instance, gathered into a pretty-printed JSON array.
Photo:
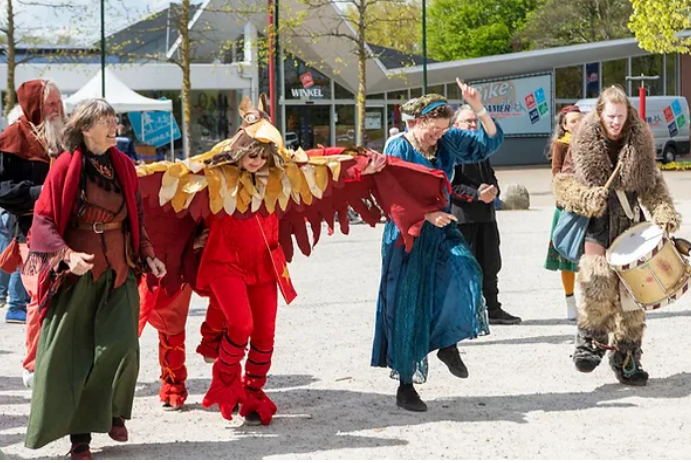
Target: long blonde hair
[{"x": 616, "y": 94}]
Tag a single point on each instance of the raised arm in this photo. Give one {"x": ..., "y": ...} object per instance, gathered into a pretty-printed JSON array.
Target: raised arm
[{"x": 468, "y": 146}]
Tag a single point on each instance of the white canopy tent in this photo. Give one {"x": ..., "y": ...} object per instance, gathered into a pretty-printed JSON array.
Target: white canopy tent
[{"x": 122, "y": 98}]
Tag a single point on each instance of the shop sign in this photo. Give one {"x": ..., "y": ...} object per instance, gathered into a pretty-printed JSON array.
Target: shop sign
[{"x": 307, "y": 80}]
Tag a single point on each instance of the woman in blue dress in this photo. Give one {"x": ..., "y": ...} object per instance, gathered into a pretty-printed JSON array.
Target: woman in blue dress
[{"x": 431, "y": 298}]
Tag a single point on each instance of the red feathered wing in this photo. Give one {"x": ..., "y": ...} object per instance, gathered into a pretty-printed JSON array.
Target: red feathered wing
[{"x": 403, "y": 191}]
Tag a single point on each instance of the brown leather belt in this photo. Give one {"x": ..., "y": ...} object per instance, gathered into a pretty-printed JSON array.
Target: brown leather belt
[{"x": 98, "y": 227}]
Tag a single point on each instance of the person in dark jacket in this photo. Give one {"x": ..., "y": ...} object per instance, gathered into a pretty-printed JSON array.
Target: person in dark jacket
[
  {"x": 475, "y": 188},
  {"x": 126, "y": 144},
  {"x": 27, "y": 148}
]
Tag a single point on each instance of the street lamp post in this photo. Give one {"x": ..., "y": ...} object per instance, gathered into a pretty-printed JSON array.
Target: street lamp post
[
  {"x": 103, "y": 49},
  {"x": 271, "y": 61},
  {"x": 424, "y": 47}
]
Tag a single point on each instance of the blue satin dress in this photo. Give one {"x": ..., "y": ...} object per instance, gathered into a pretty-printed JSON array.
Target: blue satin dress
[{"x": 431, "y": 297}]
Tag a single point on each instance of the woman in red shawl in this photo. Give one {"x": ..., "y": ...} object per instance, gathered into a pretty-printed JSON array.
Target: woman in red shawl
[{"x": 87, "y": 243}]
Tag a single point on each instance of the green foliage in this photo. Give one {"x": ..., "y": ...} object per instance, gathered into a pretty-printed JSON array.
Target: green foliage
[
  {"x": 656, "y": 24},
  {"x": 474, "y": 28},
  {"x": 392, "y": 24},
  {"x": 557, "y": 22}
]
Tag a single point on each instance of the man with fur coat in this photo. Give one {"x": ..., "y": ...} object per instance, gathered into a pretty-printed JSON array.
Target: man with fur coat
[{"x": 613, "y": 133}]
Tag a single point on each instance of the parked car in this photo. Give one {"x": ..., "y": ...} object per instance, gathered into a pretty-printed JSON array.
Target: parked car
[{"x": 668, "y": 118}]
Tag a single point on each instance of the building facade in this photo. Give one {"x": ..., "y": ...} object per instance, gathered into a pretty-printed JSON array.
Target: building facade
[{"x": 317, "y": 83}]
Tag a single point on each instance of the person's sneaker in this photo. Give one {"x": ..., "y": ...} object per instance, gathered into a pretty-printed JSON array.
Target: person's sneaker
[
  {"x": 253, "y": 419},
  {"x": 28, "y": 378},
  {"x": 17, "y": 316},
  {"x": 571, "y": 309},
  {"x": 168, "y": 407},
  {"x": 452, "y": 359},
  {"x": 500, "y": 317},
  {"x": 408, "y": 399}
]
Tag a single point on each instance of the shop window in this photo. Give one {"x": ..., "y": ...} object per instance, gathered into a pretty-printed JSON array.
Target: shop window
[
  {"x": 454, "y": 93},
  {"x": 592, "y": 80},
  {"x": 309, "y": 125},
  {"x": 394, "y": 115},
  {"x": 614, "y": 73},
  {"x": 374, "y": 129},
  {"x": 342, "y": 93},
  {"x": 569, "y": 83},
  {"x": 416, "y": 92},
  {"x": 401, "y": 95},
  {"x": 671, "y": 73},
  {"x": 648, "y": 65},
  {"x": 438, "y": 89},
  {"x": 345, "y": 125},
  {"x": 376, "y": 96},
  {"x": 305, "y": 83}
]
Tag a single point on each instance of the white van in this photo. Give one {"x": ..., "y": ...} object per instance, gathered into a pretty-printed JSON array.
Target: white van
[{"x": 668, "y": 118}]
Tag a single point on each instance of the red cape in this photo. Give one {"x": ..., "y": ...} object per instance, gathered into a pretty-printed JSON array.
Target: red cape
[{"x": 54, "y": 209}]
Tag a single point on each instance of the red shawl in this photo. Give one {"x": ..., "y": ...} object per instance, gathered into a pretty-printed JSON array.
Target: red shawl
[
  {"x": 54, "y": 209},
  {"x": 19, "y": 138}
]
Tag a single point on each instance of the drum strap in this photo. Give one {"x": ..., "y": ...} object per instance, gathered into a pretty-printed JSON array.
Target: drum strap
[{"x": 624, "y": 201}]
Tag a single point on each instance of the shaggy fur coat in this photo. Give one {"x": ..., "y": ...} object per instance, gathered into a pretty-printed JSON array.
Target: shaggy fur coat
[{"x": 582, "y": 190}]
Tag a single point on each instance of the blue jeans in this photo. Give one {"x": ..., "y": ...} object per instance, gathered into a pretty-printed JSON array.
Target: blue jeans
[{"x": 19, "y": 298}]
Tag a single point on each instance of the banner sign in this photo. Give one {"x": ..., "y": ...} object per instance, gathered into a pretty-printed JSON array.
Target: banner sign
[{"x": 522, "y": 105}]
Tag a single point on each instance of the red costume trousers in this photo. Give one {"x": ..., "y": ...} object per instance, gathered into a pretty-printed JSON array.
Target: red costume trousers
[
  {"x": 213, "y": 328},
  {"x": 168, "y": 314},
  {"x": 250, "y": 317}
]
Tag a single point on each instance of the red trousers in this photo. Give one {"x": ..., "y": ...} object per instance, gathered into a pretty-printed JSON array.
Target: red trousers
[
  {"x": 249, "y": 311},
  {"x": 168, "y": 315},
  {"x": 165, "y": 313},
  {"x": 250, "y": 318}
]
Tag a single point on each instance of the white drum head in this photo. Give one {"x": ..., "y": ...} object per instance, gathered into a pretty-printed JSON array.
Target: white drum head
[{"x": 634, "y": 243}]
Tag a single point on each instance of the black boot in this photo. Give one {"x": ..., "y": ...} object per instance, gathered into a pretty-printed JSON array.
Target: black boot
[
  {"x": 408, "y": 399},
  {"x": 625, "y": 361},
  {"x": 588, "y": 354},
  {"x": 452, "y": 359}
]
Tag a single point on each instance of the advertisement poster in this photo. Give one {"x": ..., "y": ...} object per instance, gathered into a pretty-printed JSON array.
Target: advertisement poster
[{"x": 522, "y": 105}]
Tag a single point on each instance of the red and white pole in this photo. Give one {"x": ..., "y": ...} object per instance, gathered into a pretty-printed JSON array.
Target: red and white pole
[{"x": 641, "y": 101}]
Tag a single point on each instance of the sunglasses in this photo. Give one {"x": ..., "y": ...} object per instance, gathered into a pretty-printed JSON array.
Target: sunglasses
[{"x": 257, "y": 155}]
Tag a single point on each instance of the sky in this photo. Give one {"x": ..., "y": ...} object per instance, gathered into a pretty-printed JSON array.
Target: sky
[{"x": 50, "y": 18}]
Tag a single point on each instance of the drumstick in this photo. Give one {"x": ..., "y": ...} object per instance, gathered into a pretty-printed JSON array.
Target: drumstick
[{"x": 614, "y": 174}]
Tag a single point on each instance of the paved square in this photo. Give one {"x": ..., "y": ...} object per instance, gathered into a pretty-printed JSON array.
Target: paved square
[{"x": 523, "y": 399}]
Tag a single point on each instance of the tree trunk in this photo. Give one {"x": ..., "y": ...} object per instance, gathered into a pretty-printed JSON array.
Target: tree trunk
[
  {"x": 361, "y": 97},
  {"x": 10, "y": 97},
  {"x": 183, "y": 23}
]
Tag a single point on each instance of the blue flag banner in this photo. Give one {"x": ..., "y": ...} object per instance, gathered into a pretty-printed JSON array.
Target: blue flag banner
[{"x": 156, "y": 127}]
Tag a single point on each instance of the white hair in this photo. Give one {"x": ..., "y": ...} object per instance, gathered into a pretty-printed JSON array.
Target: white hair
[
  {"x": 14, "y": 114},
  {"x": 51, "y": 132}
]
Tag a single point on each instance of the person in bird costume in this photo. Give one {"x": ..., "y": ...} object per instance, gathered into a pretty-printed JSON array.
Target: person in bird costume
[{"x": 250, "y": 196}]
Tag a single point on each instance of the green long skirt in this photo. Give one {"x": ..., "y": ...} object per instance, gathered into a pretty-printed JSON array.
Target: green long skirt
[
  {"x": 87, "y": 361},
  {"x": 554, "y": 260}
]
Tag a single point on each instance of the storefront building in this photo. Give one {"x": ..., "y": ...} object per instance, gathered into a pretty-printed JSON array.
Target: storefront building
[{"x": 317, "y": 103}]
